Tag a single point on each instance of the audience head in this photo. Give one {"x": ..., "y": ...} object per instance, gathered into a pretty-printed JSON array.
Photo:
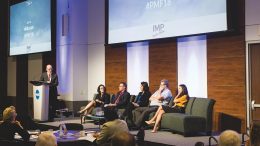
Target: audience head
[
  {"x": 144, "y": 87},
  {"x": 255, "y": 134},
  {"x": 122, "y": 86},
  {"x": 9, "y": 114},
  {"x": 229, "y": 138},
  {"x": 48, "y": 68},
  {"x": 199, "y": 144},
  {"x": 110, "y": 114},
  {"x": 164, "y": 83},
  {"x": 101, "y": 89},
  {"x": 123, "y": 139},
  {"x": 12, "y": 107},
  {"x": 182, "y": 90},
  {"x": 46, "y": 139}
]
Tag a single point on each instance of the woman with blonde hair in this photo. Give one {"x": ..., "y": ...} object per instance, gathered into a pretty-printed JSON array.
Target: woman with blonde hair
[{"x": 10, "y": 125}]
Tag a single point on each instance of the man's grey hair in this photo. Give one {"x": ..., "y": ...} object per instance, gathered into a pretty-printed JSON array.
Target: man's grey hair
[{"x": 166, "y": 82}]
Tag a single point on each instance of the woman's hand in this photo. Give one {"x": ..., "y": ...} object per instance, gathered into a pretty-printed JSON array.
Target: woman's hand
[
  {"x": 135, "y": 104},
  {"x": 18, "y": 123},
  {"x": 109, "y": 105},
  {"x": 96, "y": 134},
  {"x": 99, "y": 101}
]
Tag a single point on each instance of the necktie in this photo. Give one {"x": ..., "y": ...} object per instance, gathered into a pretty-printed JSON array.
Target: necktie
[
  {"x": 118, "y": 98},
  {"x": 49, "y": 77}
]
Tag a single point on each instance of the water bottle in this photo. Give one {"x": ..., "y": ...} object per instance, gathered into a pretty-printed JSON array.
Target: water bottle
[
  {"x": 61, "y": 131},
  {"x": 98, "y": 111}
]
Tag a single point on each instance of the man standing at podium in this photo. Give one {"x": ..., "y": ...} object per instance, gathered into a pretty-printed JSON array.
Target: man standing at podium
[{"x": 52, "y": 79}]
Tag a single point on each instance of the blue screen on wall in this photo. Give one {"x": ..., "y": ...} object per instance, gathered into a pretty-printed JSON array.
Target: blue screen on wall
[
  {"x": 135, "y": 20},
  {"x": 30, "y": 27}
]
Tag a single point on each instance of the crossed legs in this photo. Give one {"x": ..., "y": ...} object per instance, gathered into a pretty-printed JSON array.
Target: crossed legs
[
  {"x": 88, "y": 108},
  {"x": 156, "y": 119}
]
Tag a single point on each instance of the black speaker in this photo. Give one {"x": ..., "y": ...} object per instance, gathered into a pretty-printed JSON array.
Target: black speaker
[{"x": 228, "y": 122}]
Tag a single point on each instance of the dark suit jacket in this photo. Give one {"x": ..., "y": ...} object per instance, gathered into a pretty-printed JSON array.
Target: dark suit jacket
[
  {"x": 143, "y": 99},
  {"x": 8, "y": 130},
  {"x": 123, "y": 101},
  {"x": 53, "y": 85},
  {"x": 54, "y": 78}
]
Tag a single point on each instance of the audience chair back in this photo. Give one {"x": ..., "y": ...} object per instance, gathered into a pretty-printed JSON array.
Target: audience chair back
[
  {"x": 15, "y": 143},
  {"x": 255, "y": 133}
]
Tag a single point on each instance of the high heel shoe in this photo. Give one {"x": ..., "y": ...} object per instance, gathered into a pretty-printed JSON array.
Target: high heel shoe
[
  {"x": 79, "y": 112},
  {"x": 150, "y": 123}
]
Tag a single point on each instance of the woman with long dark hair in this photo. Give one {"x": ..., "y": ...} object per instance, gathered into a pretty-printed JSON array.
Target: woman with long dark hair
[
  {"x": 141, "y": 100},
  {"x": 99, "y": 100},
  {"x": 180, "y": 100}
]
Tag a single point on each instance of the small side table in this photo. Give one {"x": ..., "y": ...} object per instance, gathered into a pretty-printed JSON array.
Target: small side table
[
  {"x": 63, "y": 112},
  {"x": 96, "y": 118}
]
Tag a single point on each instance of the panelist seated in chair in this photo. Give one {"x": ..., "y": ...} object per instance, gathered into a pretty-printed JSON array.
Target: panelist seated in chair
[
  {"x": 180, "y": 101},
  {"x": 161, "y": 97},
  {"x": 141, "y": 100},
  {"x": 121, "y": 99},
  {"x": 99, "y": 100},
  {"x": 9, "y": 126}
]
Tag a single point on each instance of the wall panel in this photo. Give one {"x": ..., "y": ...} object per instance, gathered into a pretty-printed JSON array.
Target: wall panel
[
  {"x": 116, "y": 68},
  {"x": 163, "y": 64},
  {"x": 226, "y": 76}
]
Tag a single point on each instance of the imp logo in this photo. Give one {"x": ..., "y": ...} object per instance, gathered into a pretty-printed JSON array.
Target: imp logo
[{"x": 37, "y": 94}]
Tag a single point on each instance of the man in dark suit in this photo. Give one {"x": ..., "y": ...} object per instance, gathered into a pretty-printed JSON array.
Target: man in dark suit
[
  {"x": 52, "y": 79},
  {"x": 121, "y": 99}
]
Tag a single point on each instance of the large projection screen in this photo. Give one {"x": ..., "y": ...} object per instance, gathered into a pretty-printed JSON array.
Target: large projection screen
[
  {"x": 135, "y": 20},
  {"x": 30, "y": 27}
]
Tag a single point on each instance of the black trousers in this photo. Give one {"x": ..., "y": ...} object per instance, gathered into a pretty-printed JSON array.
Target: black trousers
[
  {"x": 145, "y": 112},
  {"x": 53, "y": 104},
  {"x": 128, "y": 111}
]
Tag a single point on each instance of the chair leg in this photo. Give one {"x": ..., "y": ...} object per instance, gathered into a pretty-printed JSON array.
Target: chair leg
[
  {"x": 80, "y": 119},
  {"x": 212, "y": 137}
]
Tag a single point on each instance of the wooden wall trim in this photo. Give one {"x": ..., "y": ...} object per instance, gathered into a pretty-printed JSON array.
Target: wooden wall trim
[
  {"x": 115, "y": 67},
  {"x": 163, "y": 65},
  {"x": 226, "y": 77}
]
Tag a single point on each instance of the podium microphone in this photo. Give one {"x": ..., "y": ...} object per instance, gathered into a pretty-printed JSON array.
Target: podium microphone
[{"x": 37, "y": 77}]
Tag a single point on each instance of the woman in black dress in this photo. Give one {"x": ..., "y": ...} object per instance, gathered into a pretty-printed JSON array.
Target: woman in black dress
[
  {"x": 141, "y": 100},
  {"x": 99, "y": 100}
]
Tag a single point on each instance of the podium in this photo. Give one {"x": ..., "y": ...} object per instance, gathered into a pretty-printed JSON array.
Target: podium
[{"x": 40, "y": 100}]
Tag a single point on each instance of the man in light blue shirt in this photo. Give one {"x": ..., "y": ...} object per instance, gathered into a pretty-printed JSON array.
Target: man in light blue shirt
[{"x": 161, "y": 97}]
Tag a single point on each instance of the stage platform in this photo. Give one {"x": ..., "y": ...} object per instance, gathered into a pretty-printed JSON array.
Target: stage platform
[{"x": 161, "y": 138}]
